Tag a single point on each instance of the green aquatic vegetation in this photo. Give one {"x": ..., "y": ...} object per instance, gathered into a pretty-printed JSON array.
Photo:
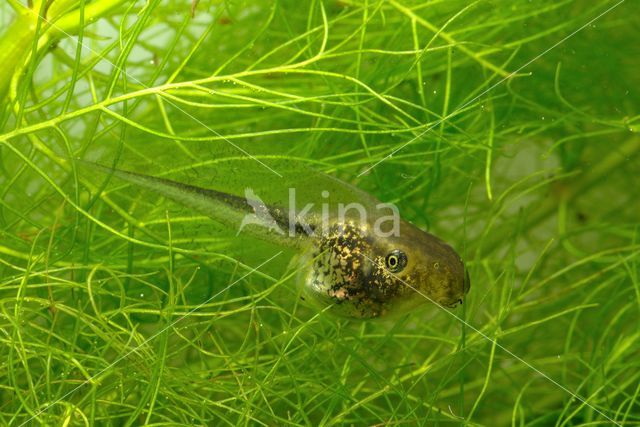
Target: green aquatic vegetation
[{"x": 509, "y": 131}]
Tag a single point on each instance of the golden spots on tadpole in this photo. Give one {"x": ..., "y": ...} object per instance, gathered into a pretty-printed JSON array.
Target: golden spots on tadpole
[
  {"x": 340, "y": 293},
  {"x": 350, "y": 274}
]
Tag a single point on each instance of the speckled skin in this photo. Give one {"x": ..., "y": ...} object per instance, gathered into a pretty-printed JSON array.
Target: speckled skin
[{"x": 345, "y": 270}]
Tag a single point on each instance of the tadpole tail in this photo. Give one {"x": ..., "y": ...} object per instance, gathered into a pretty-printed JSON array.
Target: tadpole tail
[{"x": 261, "y": 220}]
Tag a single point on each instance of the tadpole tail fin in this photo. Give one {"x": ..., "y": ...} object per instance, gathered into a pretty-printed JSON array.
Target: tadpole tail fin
[{"x": 228, "y": 209}]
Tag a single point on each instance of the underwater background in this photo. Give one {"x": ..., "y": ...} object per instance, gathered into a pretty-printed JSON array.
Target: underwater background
[{"x": 508, "y": 129}]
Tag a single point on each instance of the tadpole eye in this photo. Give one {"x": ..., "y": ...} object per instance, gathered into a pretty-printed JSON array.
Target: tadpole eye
[{"x": 396, "y": 260}]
